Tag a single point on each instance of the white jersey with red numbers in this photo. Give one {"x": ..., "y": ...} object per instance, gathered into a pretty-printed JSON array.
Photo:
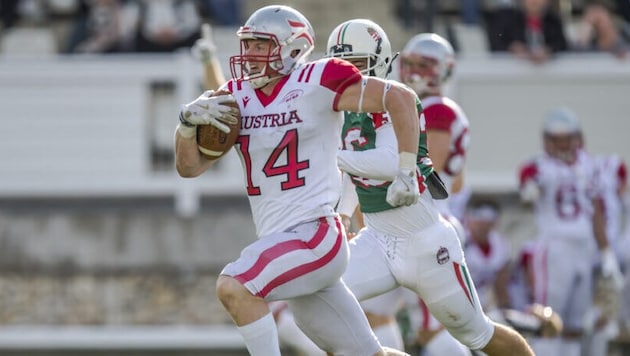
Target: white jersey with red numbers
[
  {"x": 284, "y": 136},
  {"x": 563, "y": 255},
  {"x": 564, "y": 209},
  {"x": 612, "y": 177},
  {"x": 484, "y": 262},
  {"x": 442, "y": 113}
]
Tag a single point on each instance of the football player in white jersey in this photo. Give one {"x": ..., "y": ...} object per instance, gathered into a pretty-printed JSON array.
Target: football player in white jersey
[
  {"x": 487, "y": 254},
  {"x": 562, "y": 184},
  {"x": 291, "y": 117},
  {"x": 612, "y": 181},
  {"x": 289, "y": 334},
  {"x": 426, "y": 64},
  {"x": 412, "y": 246}
]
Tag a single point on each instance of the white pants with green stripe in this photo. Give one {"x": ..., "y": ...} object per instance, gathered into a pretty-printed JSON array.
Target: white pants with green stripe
[{"x": 431, "y": 263}]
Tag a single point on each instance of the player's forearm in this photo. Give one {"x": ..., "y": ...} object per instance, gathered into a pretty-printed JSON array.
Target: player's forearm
[
  {"x": 189, "y": 162},
  {"x": 379, "y": 163},
  {"x": 213, "y": 75},
  {"x": 348, "y": 200},
  {"x": 599, "y": 225}
]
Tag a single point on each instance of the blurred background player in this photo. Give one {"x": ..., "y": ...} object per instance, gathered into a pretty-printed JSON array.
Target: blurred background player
[
  {"x": 561, "y": 183},
  {"x": 487, "y": 254},
  {"x": 292, "y": 195},
  {"x": 412, "y": 246},
  {"x": 613, "y": 182},
  {"x": 427, "y": 62},
  {"x": 603, "y": 323}
]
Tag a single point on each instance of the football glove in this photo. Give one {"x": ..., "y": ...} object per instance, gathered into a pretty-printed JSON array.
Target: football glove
[
  {"x": 404, "y": 189},
  {"x": 209, "y": 110},
  {"x": 530, "y": 192},
  {"x": 610, "y": 268}
]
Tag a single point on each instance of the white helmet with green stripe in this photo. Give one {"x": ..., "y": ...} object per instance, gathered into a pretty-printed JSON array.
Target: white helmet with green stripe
[{"x": 362, "y": 38}]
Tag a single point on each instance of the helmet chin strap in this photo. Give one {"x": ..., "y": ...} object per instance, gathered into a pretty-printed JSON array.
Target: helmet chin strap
[{"x": 261, "y": 81}]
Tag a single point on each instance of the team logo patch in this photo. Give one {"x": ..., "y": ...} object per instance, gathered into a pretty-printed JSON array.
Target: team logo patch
[
  {"x": 292, "y": 95},
  {"x": 245, "y": 101},
  {"x": 442, "y": 255}
]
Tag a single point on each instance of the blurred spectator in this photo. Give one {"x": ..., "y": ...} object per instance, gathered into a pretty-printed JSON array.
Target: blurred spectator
[
  {"x": 531, "y": 31},
  {"x": 597, "y": 31},
  {"x": 166, "y": 25},
  {"x": 417, "y": 14},
  {"x": 29, "y": 12},
  {"x": 98, "y": 27},
  {"x": 8, "y": 13},
  {"x": 470, "y": 11},
  {"x": 225, "y": 12},
  {"x": 623, "y": 11}
]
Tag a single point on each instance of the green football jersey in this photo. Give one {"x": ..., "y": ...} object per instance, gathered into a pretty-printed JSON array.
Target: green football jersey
[{"x": 359, "y": 132}]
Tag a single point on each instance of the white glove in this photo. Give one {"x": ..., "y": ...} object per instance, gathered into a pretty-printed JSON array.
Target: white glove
[
  {"x": 204, "y": 48},
  {"x": 404, "y": 189},
  {"x": 530, "y": 192},
  {"x": 209, "y": 110},
  {"x": 610, "y": 268}
]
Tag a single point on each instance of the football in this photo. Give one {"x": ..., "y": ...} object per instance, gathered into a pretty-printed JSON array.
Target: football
[{"x": 214, "y": 143}]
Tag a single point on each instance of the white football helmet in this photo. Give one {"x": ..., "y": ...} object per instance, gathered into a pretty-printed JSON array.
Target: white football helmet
[
  {"x": 362, "y": 39},
  {"x": 290, "y": 32},
  {"x": 562, "y": 134},
  {"x": 426, "y": 47}
]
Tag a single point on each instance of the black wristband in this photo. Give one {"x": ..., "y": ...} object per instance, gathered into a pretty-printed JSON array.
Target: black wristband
[{"x": 183, "y": 121}]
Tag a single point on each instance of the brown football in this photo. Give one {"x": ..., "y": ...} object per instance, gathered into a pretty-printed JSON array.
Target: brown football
[{"x": 214, "y": 143}]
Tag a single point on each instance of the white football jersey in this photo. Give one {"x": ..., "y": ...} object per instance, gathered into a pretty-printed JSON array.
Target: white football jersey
[
  {"x": 288, "y": 144},
  {"x": 564, "y": 208}
]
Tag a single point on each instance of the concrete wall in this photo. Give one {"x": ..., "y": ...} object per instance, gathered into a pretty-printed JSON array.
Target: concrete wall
[{"x": 101, "y": 122}]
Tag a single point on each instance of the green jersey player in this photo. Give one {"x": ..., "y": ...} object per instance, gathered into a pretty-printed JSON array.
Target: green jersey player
[{"x": 411, "y": 246}]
